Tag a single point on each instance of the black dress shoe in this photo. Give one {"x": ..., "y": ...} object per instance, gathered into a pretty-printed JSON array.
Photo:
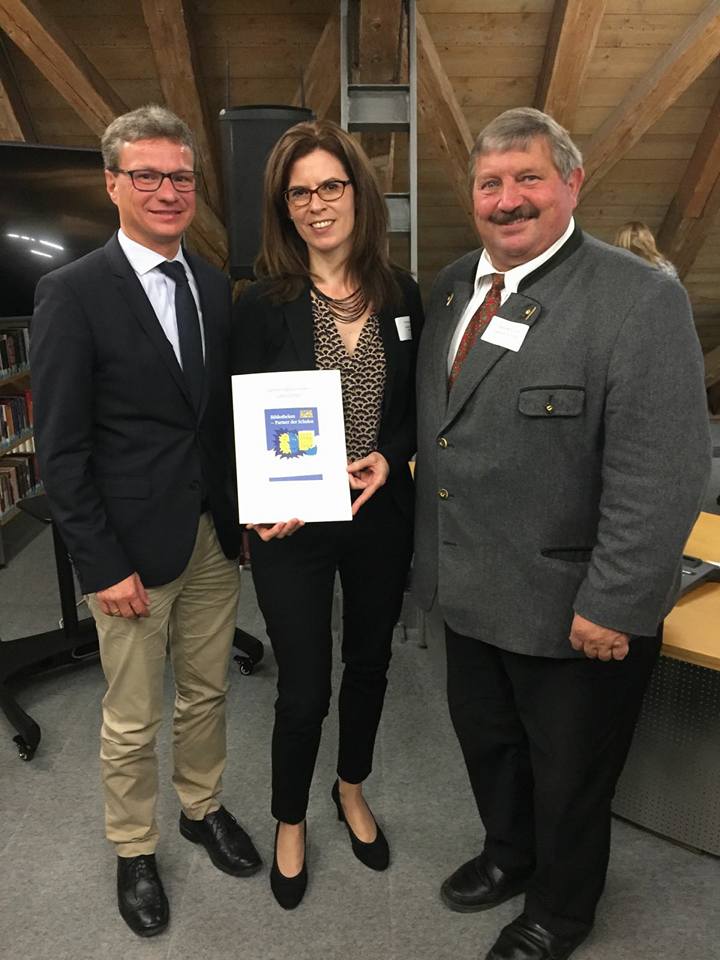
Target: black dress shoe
[
  {"x": 227, "y": 844},
  {"x": 376, "y": 853},
  {"x": 289, "y": 891},
  {"x": 141, "y": 898},
  {"x": 524, "y": 939},
  {"x": 480, "y": 885}
]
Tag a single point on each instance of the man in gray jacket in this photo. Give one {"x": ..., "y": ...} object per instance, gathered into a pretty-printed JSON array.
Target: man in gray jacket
[{"x": 563, "y": 450}]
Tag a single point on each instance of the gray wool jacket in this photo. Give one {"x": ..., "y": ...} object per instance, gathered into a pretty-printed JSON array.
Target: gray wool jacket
[{"x": 565, "y": 476}]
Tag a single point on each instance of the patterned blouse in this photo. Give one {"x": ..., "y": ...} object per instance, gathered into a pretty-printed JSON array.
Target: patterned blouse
[{"x": 362, "y": 376}]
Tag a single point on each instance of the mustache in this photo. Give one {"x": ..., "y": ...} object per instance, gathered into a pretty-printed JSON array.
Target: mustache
[{"x": 525, "y": 211}]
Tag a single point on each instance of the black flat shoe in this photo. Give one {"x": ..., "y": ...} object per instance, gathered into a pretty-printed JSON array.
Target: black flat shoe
[
  {"x": 289, "y": 891},
  {"x": 141, "y": 898},
  {"x": 524, "y": 939},
  {"x": 375, "y": 854},
  {"x": 479, "y": 885},
  {"x": 227, "y": 844}
]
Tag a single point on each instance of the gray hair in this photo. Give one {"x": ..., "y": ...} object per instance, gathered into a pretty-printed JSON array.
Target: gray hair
[
  {"x": 151, "y": 122},
  {"x": 516, "y": 128}
]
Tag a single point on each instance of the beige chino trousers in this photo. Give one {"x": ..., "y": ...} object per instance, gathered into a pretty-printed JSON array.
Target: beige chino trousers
[{"x": 194, "y": 618}]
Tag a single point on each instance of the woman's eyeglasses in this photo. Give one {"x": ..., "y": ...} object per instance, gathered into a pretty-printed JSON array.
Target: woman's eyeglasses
[{"x": 328, "y": 191}]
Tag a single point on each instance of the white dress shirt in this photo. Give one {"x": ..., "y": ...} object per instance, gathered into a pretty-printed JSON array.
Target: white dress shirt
[
  {"x": 483, "y": 280},
  {"x": 159, "y": 288}
]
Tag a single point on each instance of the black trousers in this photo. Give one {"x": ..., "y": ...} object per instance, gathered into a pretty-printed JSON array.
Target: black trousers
[
  {"x": 294, "y": 580},
  {"x": 544, "y": 742}
]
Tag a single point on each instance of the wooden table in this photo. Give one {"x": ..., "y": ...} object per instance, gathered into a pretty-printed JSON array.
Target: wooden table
[
  {"x": 692, "y": 630},
  {"x": 671, "y": 782}
]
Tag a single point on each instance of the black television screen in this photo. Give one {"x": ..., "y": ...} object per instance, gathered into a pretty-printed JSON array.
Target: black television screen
[{"x": 54, "y": 209}]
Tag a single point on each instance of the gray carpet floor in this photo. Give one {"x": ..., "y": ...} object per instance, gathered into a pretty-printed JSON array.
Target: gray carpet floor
[{"x": 57, "y": 899}]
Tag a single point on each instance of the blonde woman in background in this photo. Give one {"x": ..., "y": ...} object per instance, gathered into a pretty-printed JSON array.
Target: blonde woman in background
[{"x": 637, "y": 237}]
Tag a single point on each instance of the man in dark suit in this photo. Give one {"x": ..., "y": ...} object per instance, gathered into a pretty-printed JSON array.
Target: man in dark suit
[
  {"x": 132, "y": 416},
  {"x": 563, "y": 449}
]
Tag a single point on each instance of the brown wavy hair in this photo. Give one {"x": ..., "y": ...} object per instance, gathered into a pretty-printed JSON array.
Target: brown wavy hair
[{"x": 283, "y": 257}]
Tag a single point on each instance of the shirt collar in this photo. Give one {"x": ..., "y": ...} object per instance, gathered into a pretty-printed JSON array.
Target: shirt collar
[
  {"x": 143, "y": 259},
  {"x": 514, "y": 276}
]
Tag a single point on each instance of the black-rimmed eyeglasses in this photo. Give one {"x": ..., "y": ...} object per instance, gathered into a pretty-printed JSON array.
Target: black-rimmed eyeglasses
[
  {"x": 328, "y": 191},
  {"x": 148, "y": 181}
]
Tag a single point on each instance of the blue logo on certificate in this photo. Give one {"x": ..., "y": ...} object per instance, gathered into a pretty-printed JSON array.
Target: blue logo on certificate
[{"x": 292, "y": 432}]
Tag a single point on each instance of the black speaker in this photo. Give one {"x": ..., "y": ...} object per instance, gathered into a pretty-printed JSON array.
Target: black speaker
[{"x": 248, "y": 134}]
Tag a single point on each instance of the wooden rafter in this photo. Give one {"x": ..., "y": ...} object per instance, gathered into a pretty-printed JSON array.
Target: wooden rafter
[
  {"x": 380, "y": 41},
  {"x": 694, "y": 208},
  {"x": 321, "y": 80},
  {"x": 171, "y": 38},
  {"x": 444, "y": 120},
  {"x": 712, "y": 368},
  {"x": 571, "y": 40},
  {"x": 380, "y": 52},
  {"x": 45, "y": 43},
  {"x": 653, "y": 94},
  {"x": 32, "y": 28},
  {"x": 15, "y": 120}
]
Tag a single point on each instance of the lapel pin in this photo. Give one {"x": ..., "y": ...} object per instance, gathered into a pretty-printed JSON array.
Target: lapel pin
[
  {"x": 529, "y": 312},
  {"x": 450, "y": 298}
]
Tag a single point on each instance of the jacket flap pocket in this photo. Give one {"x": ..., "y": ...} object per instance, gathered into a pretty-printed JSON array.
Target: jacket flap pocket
[
  {"x": 551, "y": 401},
  {"x": 132, "y": 488}
]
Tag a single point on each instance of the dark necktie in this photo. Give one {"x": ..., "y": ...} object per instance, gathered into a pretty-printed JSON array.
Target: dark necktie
[
  {"x": 188, "y": 324},
  {"x": 479, "y": 320}
]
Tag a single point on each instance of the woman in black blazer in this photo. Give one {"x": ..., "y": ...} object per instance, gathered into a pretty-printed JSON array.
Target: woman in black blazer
[{"x": 328, "y": 298}]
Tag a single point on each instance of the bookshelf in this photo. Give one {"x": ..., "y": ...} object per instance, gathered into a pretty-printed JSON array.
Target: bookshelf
[
  {"x": 18, "y": 470},
  {"x": 20, "y": 373}
]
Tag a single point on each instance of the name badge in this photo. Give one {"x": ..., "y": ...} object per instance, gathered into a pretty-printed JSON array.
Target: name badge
[
  {"x": 403, "y": 328},
  {"x": 505, "y": 333}
]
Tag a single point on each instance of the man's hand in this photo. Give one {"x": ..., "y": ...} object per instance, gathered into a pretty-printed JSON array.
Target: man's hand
[
  {"x": 368, "y": 475},
  {"x": 127, "y": 599},
  {"x": 275, "y": 531},
  {"x": 596, "y": 641}
]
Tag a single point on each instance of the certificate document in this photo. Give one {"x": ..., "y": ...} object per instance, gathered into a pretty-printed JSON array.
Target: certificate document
[{"x": 290, "y": 447}]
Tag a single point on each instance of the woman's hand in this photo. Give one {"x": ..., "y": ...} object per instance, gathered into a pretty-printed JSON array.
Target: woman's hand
[
  {"x": 275, "y": 531},
  {"x": 367, "y": 474}
]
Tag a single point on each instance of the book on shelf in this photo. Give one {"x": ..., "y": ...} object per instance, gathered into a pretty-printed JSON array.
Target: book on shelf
[
  {"x": 18, "y": 478},
  {"x": 15, "y": 414},
  {"x": 14, "y": 351}
]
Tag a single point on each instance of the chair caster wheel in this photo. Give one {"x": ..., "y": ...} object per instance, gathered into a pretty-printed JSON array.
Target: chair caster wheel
[
  {"x": 25, "y": 751},
  {"x": 245, "y": 665}
]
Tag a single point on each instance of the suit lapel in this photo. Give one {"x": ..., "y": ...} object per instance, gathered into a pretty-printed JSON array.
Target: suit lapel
[
  {"x": 210, "y": 327},
  {"x": 130, "y": 289},
  {"x": 483, "y": 356},
  {"x": 391, "y": 346},
  {"x": 451, "y": 307},
  {"x": 299, "y": 320}
]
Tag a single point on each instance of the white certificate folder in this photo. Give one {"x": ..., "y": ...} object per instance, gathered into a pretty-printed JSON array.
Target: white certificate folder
[{"x": 290, "y": 447}]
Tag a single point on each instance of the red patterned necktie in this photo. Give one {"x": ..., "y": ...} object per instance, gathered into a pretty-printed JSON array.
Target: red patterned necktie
[{"x": 479, "y": 320}]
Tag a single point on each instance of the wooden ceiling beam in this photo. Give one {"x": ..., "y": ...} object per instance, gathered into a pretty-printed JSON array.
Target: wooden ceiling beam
[
  {"x": 381, "y": 45},
  {"x": 572, "y": 37},
  {"x": 321, "y": 80},
  {"x": 15, "y": 120},
  {"x": 45, "y": 43},
  {"x": 712, "y": 368},
  {"x": 694, "y": 208},
  {"x": 444, "y": 120},
  {"x": 380, "y": 41},
  {"x": 171, "y": 39},
  {"x": 32, "y": 28},
  {"x": 680, "y": 238},
  {"x": 648, "y": 100}
]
